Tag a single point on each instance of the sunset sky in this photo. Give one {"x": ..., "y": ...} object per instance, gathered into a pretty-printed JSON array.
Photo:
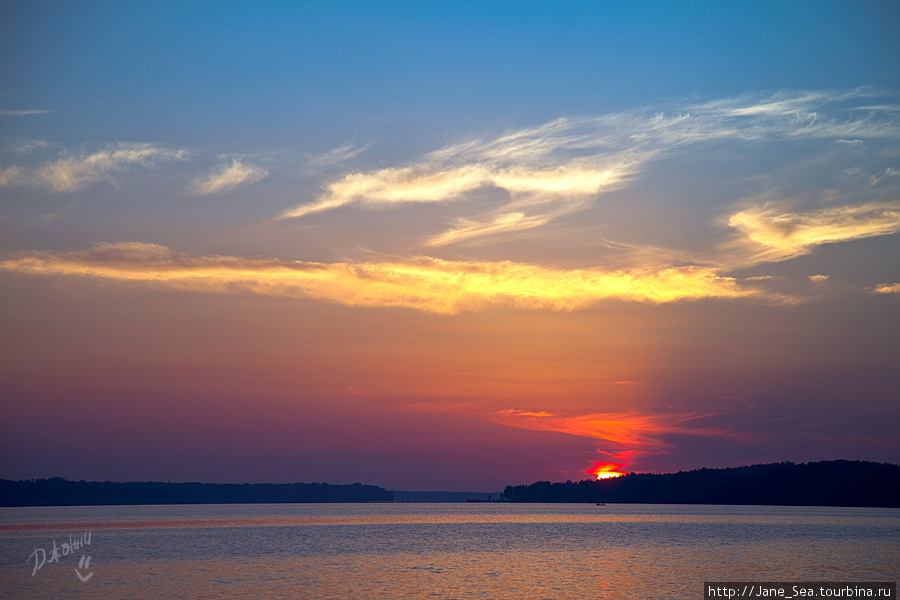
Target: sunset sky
[{"x": 446, "y": 245}]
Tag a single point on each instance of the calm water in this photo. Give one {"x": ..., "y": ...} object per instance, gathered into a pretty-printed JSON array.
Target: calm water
[{"x": 434, "y": 551}]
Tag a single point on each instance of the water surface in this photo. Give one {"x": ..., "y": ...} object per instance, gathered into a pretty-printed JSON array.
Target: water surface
[{"x": 437, "y": 551}]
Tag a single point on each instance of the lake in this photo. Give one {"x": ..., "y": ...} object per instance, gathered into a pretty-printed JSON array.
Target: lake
[{"x": 434, "y": 551}]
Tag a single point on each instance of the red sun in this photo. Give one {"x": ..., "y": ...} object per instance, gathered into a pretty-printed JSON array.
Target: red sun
[{"x": 605, "y": 470}]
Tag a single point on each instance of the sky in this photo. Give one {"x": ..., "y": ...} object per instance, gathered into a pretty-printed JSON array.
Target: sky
[{"x": 446, "y": 246}]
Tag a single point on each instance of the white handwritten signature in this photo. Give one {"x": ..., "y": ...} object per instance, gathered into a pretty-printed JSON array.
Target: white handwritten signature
[{"x": 42, "y": 557}]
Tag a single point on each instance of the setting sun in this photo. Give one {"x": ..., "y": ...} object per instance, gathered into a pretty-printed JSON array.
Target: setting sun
[{"x": 605, "y": 470}]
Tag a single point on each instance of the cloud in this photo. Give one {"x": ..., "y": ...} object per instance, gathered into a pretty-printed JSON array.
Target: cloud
[
  {"x": 886, "y": 174},
  {"x": 888, "y": 288},
  {"x": 73, "y": 172},
  {"x": 623, "y": 435},
  {"x": 395, "y": 185},
  {"x": 333, "y": 157},
  {"x": 31, "y": 146},
  {"x": 563, "y": 166},
  {"x": 805, "y": 114},
  {"x": 523, "y": 163},
  {"x": 796, "y": 106},
  {"x": 542, "y": 188},
  {"x": 226, "y": 178},
  {"x": 466, "y": 229},
  {"x": 772, "y": 233},
  {"x": 23, "y": 113},
  {"x": 425, "y": 284},
  {"x": 13, "y": 175},
  {"x": 525, "y": 413}
]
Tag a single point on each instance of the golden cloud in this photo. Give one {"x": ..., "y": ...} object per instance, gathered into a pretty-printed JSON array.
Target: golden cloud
[
  {"x": 888, "y": 288},
  {"x": 771, "y": 233},
  {"x": 426, "y": 284},
  {"x": 437, "y": 183}
]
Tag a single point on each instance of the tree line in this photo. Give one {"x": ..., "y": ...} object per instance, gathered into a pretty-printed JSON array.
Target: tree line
[
  {"x": 825, "y": 483},
  {"x": 57, "y": 491}
]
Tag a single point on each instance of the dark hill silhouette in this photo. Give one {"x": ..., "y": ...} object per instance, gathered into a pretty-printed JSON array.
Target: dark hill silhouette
[
  {"x": 62, "y": 492},
  {"x": 826, "y": 483}
]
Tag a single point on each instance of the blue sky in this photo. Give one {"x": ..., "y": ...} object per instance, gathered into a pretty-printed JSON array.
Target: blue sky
[
  {"x": 438, "y": 232},
  {"x": 231, "y": 73}
]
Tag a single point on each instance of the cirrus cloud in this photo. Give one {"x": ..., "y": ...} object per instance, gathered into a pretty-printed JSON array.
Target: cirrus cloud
[
  {"x": 226, "y": 178},
  {"x": 72, "y": 172},
  {"x": 24, "y": 112},
  {"x": 563, "y": 166}
]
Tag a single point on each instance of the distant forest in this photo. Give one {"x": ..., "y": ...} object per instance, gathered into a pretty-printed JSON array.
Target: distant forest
[
  {"x": 826, "y": 483},
  {"x": 62, "y": 492}
]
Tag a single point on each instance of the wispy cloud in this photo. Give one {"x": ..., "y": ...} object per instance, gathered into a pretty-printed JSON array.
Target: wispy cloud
[
  {"x": 227, "y": 177},
  {"x": 545, "y": 172},
  {"x": 23, "y": 113},
  {"x": 771, "y": 232},
  {"x": 13, "y": 175},
  {"x": 395, "y": 185},
  {"x": 72, "y": 172},
  {"x": 623, "y": 435},
  {"x": 505, "y": 222},
  {"x": 333, "y": 158},
  {"x": 810, "y": 114},
  {"x": 29, "y": 146},
  {"x": 424, "y": 284},
  {"x": 563, "y": 166}
]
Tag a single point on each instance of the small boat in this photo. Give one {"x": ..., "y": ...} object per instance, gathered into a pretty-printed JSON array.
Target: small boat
[{"x": 601, "y": 504}]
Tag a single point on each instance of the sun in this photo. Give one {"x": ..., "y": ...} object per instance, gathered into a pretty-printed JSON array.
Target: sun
[{"x": 605, "y": 470}]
